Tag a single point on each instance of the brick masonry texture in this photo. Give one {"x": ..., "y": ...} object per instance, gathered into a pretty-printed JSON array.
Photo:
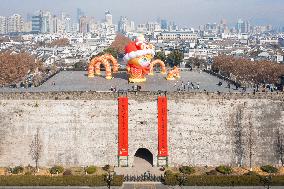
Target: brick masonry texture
[{"x": 80, "y": 128}]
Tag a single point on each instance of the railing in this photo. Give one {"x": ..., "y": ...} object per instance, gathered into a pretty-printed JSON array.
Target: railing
[{"x": 146, "y": 177}]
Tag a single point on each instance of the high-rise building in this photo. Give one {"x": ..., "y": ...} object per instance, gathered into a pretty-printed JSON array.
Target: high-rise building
[
  {"x": 27, "y": 26},
  {"x": 240, "y": 26},
  {"x": 108, "y": 18},
  {"x": 132, "y": 26},
  {"x": 54, "y": 24},
  {"x": 222, "y": 27},
  {"x": 95, "y": 26},
  {"x": 3, "y": 25},
  {"x": 68, "y": 24},
  {"x": 60, "y": 26},
  {"x": 74, "y": 27},
  {"x": 173, "y": 27},
  {"x": 15, "y": 23},
  {"x": 153, "y": 26},
  {"x": 243, "y": 26},
  {"x": 164, "y": 24},
  {"x": 123, "y": 24},
  {"x": 269, "y": 27},
  {"x": 80, "y": 13},
  {"x": 141, "y": 28},
  {"x": 36, "y": 23},
  {"x": 47, "y": 24},
  {"x": 84, "y": 26}
]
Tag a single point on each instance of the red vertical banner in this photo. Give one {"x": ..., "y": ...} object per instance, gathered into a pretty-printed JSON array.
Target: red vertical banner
[
  {"x": 122, "y": 126},
  {"x": 163, "y": 126}
]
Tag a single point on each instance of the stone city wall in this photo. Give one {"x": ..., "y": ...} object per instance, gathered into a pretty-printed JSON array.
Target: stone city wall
[{"x": 80, "y": 128}]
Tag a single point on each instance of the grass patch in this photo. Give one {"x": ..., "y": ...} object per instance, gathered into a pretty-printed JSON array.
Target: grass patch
[
  {"x": 174, "y": 179},
  {"x": 27, "y": 180}
]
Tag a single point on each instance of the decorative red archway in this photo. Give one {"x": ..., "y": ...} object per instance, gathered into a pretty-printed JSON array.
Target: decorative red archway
[
  {"x": 161, "y": 63},
  {"x": 95, "y": 66}
]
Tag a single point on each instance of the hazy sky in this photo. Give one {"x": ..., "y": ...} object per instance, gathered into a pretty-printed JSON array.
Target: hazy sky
[{"x": 184, "y": 12}]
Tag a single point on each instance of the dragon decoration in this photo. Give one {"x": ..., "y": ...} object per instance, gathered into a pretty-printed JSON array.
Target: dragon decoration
[{"x": 138, "y": 55}]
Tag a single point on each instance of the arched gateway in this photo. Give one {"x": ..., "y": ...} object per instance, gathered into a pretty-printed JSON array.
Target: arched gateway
[{"x": 143, "y": 158}]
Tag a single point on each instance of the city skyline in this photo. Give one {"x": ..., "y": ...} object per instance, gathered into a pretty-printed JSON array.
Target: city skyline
[{"x": 190, "y": 13}]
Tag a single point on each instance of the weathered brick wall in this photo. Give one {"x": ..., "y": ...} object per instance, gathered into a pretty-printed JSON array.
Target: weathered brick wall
[{"x": 80, "y": 128}]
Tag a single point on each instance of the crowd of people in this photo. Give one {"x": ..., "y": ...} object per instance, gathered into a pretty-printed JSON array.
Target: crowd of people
[{"x": 186, "y": 86}]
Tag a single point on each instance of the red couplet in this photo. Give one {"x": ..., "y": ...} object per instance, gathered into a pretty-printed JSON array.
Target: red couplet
[
  {"x": 122, "y": 126},
  {"x": 162, "y": 126}
]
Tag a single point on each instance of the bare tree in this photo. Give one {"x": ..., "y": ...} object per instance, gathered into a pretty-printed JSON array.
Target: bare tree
[
  {"x": 14, "y": 67},
  {"x": 35, "y": 149},
  {"x": 280, "y": 146},
  {"x": 250, "y": 143},
  {"x": 239, "y": 150},
  {"x": 245, "y": 70}
]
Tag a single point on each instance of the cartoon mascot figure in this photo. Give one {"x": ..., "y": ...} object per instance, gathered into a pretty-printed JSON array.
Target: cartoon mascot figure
[{"x": 138, "y": 55}]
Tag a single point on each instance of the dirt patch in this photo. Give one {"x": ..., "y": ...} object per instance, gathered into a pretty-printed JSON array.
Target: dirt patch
[
  {"x": 43, "y": 172},
  {"x": 3, "y": 171},
  {"x": 281, "y": 171},
  {"x": 240, "y": 170}
]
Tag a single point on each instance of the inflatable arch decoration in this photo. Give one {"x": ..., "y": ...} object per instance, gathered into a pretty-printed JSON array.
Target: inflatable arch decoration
[
  {"x": 161, "y": 63},
  {"x": 173, "y": 74},
  {"x": 95, "y": 66}
]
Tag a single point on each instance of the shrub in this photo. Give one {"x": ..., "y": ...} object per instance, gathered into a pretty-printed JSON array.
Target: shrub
[
  {"x": 251, "y": 173},
  {"x": 106, "y": 167},
  {"x": 168, "y": 172},
  {"x": 226, "y": 170},
  {"x": 16, "y": 170},
  {"x": 186, "y": 170},
  {"x": 221, "y": 180},
  {"x": 171, "y": 179},
  {"x": 117, "y": 180},
  {"x": 28, "y": 173},
  {"x": 269, "y": 169},
  {"x": 23, "y": 180},
  {"x": 212, "y": 172},
  {"x": 56, "y": 170},
  {"x": 91, "y": 169},
  {"x": 68, "y": 172}
]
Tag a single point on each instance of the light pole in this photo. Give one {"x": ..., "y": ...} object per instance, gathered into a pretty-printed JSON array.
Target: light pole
[
  {"x": 182, "y": 180},
  {"x": 269, "y": 180},
  {"x": 109, "y": 178}
]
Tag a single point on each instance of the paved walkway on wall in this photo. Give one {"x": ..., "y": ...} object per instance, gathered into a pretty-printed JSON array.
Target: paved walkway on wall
[
  {"x": 141, "y": 167},
  {"x": 78, "y": 81}
]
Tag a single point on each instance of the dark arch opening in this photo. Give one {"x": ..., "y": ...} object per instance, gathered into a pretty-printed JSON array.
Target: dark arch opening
[{"x": 143, "y": 155}]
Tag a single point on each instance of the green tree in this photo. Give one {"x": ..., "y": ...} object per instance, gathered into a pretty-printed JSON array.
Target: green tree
[
  {"x": 109, "y": 50},
  {"x": 112, "y": 51},
  {"x": 161, "y": 55},
  {"x": 175, "y": 58},
  {"x": 80, "y": 65},
  {"x": 195, "y": 62}
]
